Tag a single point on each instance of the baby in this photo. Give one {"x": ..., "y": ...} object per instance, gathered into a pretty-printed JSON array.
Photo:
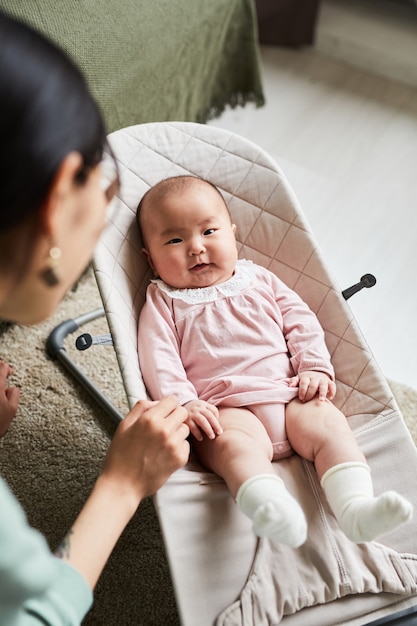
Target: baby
[{"x": 247, "y": 358}]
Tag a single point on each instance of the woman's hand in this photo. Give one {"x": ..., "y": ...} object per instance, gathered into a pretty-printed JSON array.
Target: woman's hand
[
  {"x": 148, "y": 446},
  {"x": 9, "y": 398},
  {"x": 311, "y": 384},
  {"x": 203, "y": 418}
]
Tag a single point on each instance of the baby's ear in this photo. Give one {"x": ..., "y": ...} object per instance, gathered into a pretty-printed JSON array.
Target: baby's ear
[{"x": 148, "y": 259}]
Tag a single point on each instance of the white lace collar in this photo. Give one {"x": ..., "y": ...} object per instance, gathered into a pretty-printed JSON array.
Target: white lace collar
[{"x": 244, "y": 273}]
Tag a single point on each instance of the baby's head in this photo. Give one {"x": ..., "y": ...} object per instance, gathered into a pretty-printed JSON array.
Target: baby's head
[{"x": 187, "y": 232}]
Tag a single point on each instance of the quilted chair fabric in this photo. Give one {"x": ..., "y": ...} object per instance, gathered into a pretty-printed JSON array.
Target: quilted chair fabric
[{"x": 218, "y": 567}]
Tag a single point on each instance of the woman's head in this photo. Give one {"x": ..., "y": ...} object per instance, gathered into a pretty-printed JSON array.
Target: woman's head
[
  {"x": 188, "y": 235},
  {"x": 52, "y": 138}
]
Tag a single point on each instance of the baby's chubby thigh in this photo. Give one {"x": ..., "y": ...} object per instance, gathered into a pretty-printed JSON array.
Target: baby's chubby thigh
[
  {"x": 244, "y": 429},
  {"x": 315, "y": 425},
  {"x": 243, "y": 449}
]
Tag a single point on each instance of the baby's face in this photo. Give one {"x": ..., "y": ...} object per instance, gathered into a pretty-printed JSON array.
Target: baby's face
[{"x": 190, "y": 238}]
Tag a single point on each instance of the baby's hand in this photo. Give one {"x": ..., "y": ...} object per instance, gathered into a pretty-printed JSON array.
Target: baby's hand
[
  {"x": 311, "y": 384},
  {"x": 203, "y": 418}
]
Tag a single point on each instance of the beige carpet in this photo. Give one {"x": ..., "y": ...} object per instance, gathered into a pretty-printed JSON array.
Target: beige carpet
[{"x": 54, "y": 449}]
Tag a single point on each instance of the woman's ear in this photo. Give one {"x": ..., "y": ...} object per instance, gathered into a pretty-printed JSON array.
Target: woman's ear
[
  {"x": 60, "y": 189},
  {"x": 234, "y": 229}
]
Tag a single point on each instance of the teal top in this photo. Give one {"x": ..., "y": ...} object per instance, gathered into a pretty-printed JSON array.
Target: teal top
[{"x": 35, "y": 587}]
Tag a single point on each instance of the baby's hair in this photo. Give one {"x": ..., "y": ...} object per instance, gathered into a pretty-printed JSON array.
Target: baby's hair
[{"x": 174, "y": 184}]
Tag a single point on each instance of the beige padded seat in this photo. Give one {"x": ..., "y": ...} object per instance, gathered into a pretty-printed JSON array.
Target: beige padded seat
[{"x": 221, "y": 573}]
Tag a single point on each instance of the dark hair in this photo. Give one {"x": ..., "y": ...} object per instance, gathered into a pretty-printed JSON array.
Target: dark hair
[{"x": 46, "y": 111}]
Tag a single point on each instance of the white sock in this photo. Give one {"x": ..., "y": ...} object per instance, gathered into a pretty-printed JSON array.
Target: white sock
[
  {"x": 274, "y": 512},
  {"x": 362, "y": 517}
]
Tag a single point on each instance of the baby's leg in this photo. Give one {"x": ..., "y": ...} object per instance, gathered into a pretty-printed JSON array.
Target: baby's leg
[
  {"x": 242, "y": 455},
  {"x": 320, "y": 433}
]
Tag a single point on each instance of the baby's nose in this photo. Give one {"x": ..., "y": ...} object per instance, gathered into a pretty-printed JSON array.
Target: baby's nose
[{"x": 196, "y": 247}]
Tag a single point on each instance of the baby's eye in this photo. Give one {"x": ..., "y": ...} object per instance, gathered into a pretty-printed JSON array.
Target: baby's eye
[
  {"x": 174, "y": 240},
  {"x": 209, "y": 231}
]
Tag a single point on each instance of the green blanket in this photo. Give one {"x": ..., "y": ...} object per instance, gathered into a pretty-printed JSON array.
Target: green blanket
[{"x": 156, "y": 60}]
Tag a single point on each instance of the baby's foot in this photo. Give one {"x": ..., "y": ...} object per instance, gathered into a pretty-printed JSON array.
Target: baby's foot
[
  {"x": 281, "y": 520},
  {"x": 274, "y": 512},
  {"x": 367, "y": 518}
]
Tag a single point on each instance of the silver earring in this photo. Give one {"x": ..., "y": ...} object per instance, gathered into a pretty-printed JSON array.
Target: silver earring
[{"x": 48, "y": 275}]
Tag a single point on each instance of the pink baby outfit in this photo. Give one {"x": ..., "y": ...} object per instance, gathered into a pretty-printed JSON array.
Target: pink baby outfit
[{"x": 234, "y": 344}]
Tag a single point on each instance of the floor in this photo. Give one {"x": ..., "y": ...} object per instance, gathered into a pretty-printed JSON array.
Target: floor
[{"x": 347, "y": 141}]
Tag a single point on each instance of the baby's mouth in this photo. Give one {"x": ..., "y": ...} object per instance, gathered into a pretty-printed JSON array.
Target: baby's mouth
[{"x": 199, "y": 266}]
